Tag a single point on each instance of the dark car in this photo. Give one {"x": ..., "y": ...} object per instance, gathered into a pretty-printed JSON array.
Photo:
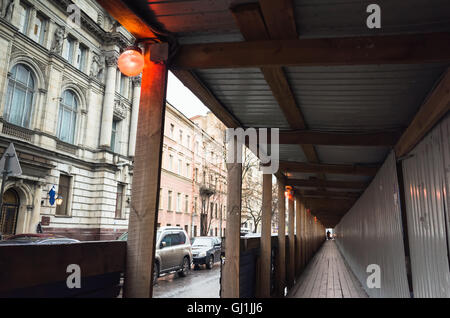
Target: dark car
[
  {"x": 206, "y": 250},
  {"x": 37, "y": 239}
]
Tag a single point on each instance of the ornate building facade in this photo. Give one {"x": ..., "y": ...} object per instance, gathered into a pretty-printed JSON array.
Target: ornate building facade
[{"x": 71, "y": 115}]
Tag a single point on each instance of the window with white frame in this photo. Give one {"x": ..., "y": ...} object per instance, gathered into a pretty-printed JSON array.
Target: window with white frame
[
  {"x": 38, "y": 29},
  {"x": 68, "y": 49},
  {"x": 170, "y": 162},
  {"x": 169, "y": 200},
  {"x": 80, "y": 58},
  {"x": 114, "y": 135},
  {"x": 119, "y": 200},
  {"x": 20, "y": 96},
  {"x": 24, "y": 17},
  {"x": 178, "y": 202},
  {"x": 67, "y": 117}
]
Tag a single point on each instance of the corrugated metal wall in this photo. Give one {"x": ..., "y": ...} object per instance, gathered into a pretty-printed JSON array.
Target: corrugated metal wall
[
  {"x": 426, "y": 177},
  {"x": 371, "y": 233}
]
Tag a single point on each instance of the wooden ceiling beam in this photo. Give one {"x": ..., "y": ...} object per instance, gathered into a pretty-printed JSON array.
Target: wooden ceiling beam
[
  {"x": 128, "y": 18},
  {"x": 304, "y": 167},
  {"x": 435, "y": 107},
  {"x": 331, "y": 194},
  {"x": 326, "y": 183},
  {"x": 191, "y": 81},
  {"x": 364, "y": 50},
  {"x": 274, "y": 20}
]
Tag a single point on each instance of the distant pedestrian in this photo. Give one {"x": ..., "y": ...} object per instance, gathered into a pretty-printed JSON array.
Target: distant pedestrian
[
  {"x": 39, "y": 228},
  {"x": 328, "y": 235}
]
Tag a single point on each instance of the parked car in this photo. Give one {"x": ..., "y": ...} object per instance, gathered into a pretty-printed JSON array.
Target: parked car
[
  {"x": 206, "y": 250},
  {"x": 173, "y": 251},
  {"x": 37, "y": 239}
]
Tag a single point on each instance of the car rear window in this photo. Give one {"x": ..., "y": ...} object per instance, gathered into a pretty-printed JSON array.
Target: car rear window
[{"x": 202, "y": 241}]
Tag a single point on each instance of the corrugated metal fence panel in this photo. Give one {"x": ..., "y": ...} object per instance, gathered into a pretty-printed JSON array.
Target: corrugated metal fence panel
[
  {"x": 426, "y": 197},
  {"x": 371, "y": 233}
]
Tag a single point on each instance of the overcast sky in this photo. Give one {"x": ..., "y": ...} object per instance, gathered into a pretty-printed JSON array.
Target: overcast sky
[{"x": 183, "y": 99}]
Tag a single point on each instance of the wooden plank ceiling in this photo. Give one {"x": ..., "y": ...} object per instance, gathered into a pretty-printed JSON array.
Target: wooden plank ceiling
[{"x": 272, "y": 42}]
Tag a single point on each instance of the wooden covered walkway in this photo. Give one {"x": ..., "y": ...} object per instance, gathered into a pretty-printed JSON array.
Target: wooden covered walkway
[{"x": 328, "y": 276}]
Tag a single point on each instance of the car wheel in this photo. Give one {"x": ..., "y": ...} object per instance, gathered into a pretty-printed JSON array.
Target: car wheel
[
  {"x": 155, "y": 273},
  {"x": 210, "y": 263},
  {"x": 185, "y": 267}
]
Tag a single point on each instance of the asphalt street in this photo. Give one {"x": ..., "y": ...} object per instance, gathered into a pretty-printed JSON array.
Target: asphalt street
[{"x": 202, "y": 283}]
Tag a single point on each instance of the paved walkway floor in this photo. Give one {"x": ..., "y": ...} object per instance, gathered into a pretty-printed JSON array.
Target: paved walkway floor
[{"x": 328, "y": 276}]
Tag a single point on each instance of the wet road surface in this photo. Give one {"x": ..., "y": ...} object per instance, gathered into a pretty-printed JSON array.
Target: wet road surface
[{"x": 202, "y": 283}]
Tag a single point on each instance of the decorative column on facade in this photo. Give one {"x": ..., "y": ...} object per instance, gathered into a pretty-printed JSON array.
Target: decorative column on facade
[
  {"x": 108, "y": 100},
  {"x": 134, "y": 114}
]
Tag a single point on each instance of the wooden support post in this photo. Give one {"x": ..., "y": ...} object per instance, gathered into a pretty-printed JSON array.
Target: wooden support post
[
  {"x": 146, "y": 180},
  {"x": 281, "y": 256},
  {"x": 229, "y": 282},
  {"x": 291, "y": 267},
  {"x": 303, "y": 234},
  {"x": 308, "y": 236},
  {"x": 266, "y": 236},
  {"x": 298, "y": 249}
]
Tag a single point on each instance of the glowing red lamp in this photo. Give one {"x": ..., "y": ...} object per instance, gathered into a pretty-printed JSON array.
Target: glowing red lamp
[
  {"x": 131, "y": 61},
  {"x": 289, "y": 193}
]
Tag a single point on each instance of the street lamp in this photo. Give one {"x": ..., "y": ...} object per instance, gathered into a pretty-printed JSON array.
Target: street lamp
[
  {"x": 59, "y": 200},
  {"x": 131, "y": 61},
  {"x": 289, "y": 193}
]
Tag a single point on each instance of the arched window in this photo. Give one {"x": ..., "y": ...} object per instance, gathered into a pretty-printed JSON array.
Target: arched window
[
  {"x": 19, "y": 99},
  {"x": 67, "y": 116}
]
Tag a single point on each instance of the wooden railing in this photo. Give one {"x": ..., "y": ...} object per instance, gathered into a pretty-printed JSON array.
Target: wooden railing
[{"x": 42, "y": 270}]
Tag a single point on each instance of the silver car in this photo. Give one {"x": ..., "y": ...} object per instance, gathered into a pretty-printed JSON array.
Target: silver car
[{"x": 173, "y": 251}]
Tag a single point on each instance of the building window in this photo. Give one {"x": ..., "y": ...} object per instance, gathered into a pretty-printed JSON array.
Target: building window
[
  {"x": 216, "y": 210},
  {"x": 172, "y": 128},
  {"x": 20, "y": 95},
  {"x": 39, "y": 29},
  {"x": 188, "y": 141},
  {"x": 67, "y": 117},
  {"x": 64, "y": 193},
  {"x": 188, "y": 170},
  {"x": 179, "y": 166},
  {"x": 169, "y": 200},
  {"x": 181, "y": 137},
  {"x": 123, "y": 84},
  {"x": 24, "y": 16},
  {"x": 211, "y": 208},
  {"x": 215, "y": 231},
  {"x": 114, "y": 135},
  {"x": 119, "y": 200},
  {"x": 178, "y": 202},
  {"x": 186, "y": 228},
  {"x": 186, "y": 203},
  {"x": 195, "y": 205},
  {"x": 170, "y": 162},
  {"x": 80, "y": 60},
  {"x": 195, "y": 230},
  {"x": 68, "y": 49},
  {"x": 196, "y": 175}
]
